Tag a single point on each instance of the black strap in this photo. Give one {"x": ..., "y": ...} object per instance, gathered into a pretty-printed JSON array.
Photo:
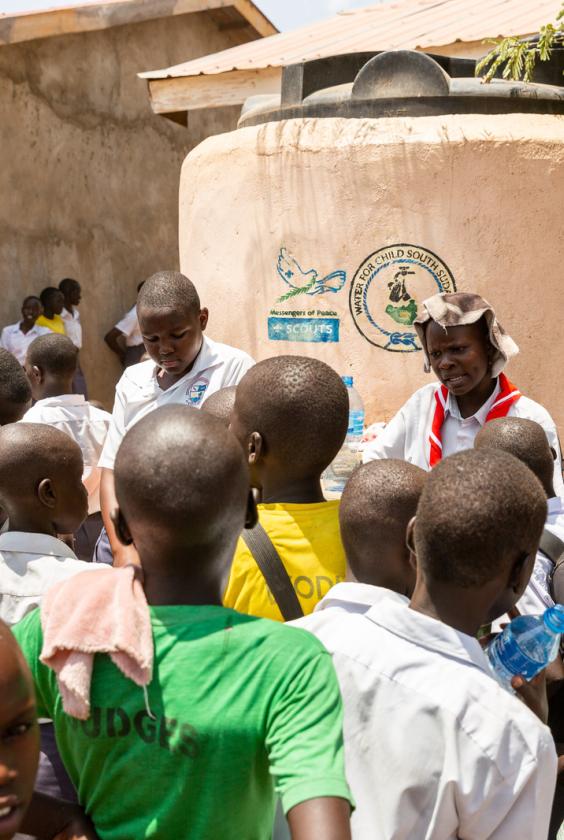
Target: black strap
[
  {"x": 553, "y": 547},
  {"x": 274, "y": 572}
]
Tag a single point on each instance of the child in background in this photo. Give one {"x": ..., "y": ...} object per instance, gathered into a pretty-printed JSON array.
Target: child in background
[
  {"x": 221, "y": 404},
  {"x": 19, "y": 735},
  {"x": 51, "y": 368},
  {"x": 184, "y": 367},
  {"x": 53, "y": 302},
  {"x": 71, "y": 316},
  {"x": 125, "y": 339},
  {"x": 260, "y": 708},
  {"x": 15, "y": 391},
  {"x": 17, "y": 337},
  {"x": 290, "y": 417},
  {"x": 437, "y": 748}
]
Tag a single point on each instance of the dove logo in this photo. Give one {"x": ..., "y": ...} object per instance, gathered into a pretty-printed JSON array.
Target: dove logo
[
  {"x": 306, "y": 282},
  {"x": 386, "y": 292}
]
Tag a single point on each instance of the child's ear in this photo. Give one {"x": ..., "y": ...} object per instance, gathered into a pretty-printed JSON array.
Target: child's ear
[
  {"x": 46, "y": 494},
  {"x": 204, "y": 315},
  {"x": 254, "y": 447},
  {"x": 121, "y": 526},
  {"x": 251, "y": 516}
]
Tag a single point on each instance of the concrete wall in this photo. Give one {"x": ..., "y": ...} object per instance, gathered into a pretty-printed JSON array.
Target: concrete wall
[
  {"x": 89, "y": 175},
  {"x": 320, "y": 219}
]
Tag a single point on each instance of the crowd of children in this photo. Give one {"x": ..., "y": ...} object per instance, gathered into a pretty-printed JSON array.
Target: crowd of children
[{"x": 203, "y": 638}]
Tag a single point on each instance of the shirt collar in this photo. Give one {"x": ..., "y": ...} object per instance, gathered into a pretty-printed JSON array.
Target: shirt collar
[
  {"x": 31, "y": 543},
  {"x": 428, "y": 633},
  {"x": 480, "y": 415},
  {"x": 359, "y": 594},
  {"x": 62, "y": 399}
]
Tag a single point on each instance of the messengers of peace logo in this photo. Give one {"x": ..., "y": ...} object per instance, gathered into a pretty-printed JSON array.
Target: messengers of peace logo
[{"x": 387, "y": 290}]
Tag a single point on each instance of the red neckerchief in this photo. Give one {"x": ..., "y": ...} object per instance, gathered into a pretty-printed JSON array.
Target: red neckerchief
[{"x": 508, "y": 395}]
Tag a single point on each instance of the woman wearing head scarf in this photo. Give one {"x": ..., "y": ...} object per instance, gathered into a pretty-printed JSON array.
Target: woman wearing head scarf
[{"x": 467, "y": 349}]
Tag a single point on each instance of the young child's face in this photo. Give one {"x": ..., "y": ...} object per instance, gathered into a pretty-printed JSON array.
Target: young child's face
[
  {"x": 172, "y": 339},
  {"x": 19, "y": 737},
  {"x": 57, "y": 302},
  {"x": 459, "y": 356},
  {"x": 31, "y": 310}
]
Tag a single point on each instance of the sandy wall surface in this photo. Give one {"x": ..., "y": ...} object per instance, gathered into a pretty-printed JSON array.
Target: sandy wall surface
[
  {"x": 334, "y": 231},
  {"x": 89, "y": 175}
]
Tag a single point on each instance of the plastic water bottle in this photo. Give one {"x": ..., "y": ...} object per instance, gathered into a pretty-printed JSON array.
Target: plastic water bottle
[
  {"x": 527, "y": 645},
  {"x": 349, "y": 456}
]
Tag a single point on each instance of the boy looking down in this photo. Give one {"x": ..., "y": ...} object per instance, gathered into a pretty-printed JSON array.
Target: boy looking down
[
  {"x": 15, "y": 391},
  {"x": 291, "y": 417},
  {"x": 51, "y": 366},
  {"x": 235, "y": 702},
  {"x": 185, "y": 366},
  {"x": 464, "y": 757}
]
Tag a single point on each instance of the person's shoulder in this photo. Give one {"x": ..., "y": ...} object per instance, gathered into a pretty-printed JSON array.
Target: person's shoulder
[
  {"x": 99, "y": 414},
  {"x": 10, "y": 328},
  {"x": 531, "y": 410},
  {"x": 279, "y": 639},
  {"x": 227, "y": 353},
  {"x": 137, "y": 375},
  {"x": 28, "y": 628}
]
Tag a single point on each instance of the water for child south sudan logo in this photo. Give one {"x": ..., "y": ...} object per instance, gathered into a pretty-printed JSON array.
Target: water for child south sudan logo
[{"x": 388, "y": 288}]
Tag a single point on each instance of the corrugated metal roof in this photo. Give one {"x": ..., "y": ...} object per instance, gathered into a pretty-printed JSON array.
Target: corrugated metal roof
[{"x": 404, "y": 24}]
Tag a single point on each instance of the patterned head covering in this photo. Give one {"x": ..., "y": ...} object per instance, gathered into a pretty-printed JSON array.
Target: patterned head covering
[{"x": 458, "y": 309}]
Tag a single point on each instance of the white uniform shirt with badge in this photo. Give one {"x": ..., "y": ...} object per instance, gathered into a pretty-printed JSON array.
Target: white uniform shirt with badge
[
  {"x": 407, "y": 434},
  {"x": 29, "y": 565},
  {"x": 73, "y": 326},
  {"x": 129, "y": 326},
  {"x": 138, "y": 393},
  {"x": 435, "y": 749},
  {"x": 537, "y": 598},
  {"x": 17, "y": 342},
  {"x": 85, "y": 424}
]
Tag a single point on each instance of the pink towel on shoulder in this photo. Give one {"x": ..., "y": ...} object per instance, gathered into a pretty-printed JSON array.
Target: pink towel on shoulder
[{"x": 102, "y": 613}]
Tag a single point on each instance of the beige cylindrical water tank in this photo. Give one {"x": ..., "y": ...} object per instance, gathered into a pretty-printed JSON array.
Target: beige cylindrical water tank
[{"x": 321, "y": 236}]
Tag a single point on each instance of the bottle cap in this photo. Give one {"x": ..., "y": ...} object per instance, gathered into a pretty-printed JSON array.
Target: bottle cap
[
  {"x": 348, "y": 380},
  {"x": 554, "y": 618}
]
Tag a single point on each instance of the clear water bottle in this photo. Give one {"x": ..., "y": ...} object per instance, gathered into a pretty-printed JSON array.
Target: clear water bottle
[
  {"x": 349, "y": 456},
  {"x": 527, "y": 645}
]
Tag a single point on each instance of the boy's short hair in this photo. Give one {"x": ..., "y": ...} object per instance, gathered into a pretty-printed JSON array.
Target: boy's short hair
[
  {"x": 47, "y": 295},
  {"x": 67, "y": 284},
  {"x": 221, "y": 403},
  {"x": 15, "y": 389},
  {"x": 169, "y": 290},
  {"x": 524, "y": 439},
  {"x": 479, "y": 511},
  {"x": 30, "y": 297},
  {"x": 377, "y": 504},
  {"x": 300, "y": 406},
  {"x": 53, "y": 353},
  {"x": 183, "y": 469}
]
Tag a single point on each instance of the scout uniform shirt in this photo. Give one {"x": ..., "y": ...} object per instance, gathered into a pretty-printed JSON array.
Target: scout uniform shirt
[
  {"x": 138, "y": 393},
  {"x": 407, "y": 434},
  {"x": 17, "y": 342}
]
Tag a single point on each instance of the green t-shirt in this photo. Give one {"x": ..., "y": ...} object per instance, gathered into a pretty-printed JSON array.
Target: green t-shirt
[{"x": 238, "y": 702}]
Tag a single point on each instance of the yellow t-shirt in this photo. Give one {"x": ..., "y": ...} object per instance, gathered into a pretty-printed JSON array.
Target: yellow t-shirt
[
  {"x": 308, "y": 540},
  {"x": 55, "y": 324}
]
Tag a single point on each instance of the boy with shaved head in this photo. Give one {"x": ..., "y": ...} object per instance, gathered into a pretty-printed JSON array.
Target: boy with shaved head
[
  {"x": 221, "y": 404},
  {"x": 15, "y": 392},
  {"x": 435, "y": 748},
  {"x": 290, "y": 416},
  {"x": 184, "y": 367},
  {"x": 51, "y": 366},
  {"x": 237, "y": 706}
]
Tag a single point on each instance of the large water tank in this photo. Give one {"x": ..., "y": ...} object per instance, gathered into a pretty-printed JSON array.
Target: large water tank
[{"x": 322, "y": 222}]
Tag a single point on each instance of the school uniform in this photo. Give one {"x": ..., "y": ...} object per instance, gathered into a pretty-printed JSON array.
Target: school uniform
[
  {"x": 435, "y": 749},
  {"x": 408, "y": 435},
  {"x": 138, "y": 392},
  {"x": 17, "y": 342},
  {"x": 88, "y": 426},
  {"x": 54, "y": 324},
  {"x": 134, "y": 347},
  {"x": 73, "y": 329},
  {"x": 537, "y": 597}
]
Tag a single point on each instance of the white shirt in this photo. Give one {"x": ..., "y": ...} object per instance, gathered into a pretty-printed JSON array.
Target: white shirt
[
  {"x": 85, "y": 424},
  {"x": 435, "y": 749},
  {"x": 407, "y": 434},
  {"x": 73, "y": 326},
  {"x": 537, "y": 598},
  {"x": 29, "y": 565},
  {"x": 17, "y": 342},
  {"x": 138, "y": 393},
  {"x": 129, "y": 326}
]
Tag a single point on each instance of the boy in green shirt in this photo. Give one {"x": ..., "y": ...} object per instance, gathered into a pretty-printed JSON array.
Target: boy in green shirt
[{"x": 238, "y": 707}]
